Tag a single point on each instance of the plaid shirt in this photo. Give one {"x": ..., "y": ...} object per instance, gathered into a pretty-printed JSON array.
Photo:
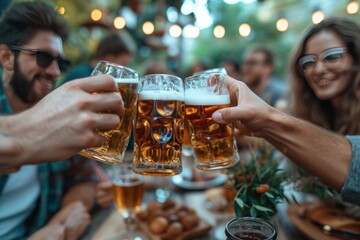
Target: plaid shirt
[{"x": 55, "y": 179}]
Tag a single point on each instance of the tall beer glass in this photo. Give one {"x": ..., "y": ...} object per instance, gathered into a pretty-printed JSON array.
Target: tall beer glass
[
  {"x": 159, "y": 125},
  {"x": 214, "y": 144},
  {"x": 116, "y": 140}
]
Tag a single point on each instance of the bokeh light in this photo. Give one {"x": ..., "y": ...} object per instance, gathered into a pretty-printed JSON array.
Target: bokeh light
[
  {"x": 175, "y": 31},
  {"x": 119, "y": 22},
  {"x": 244, "y": 29},
  {"x": 219, "y": 31},
  {"x": 96, "y": 14},
  {"x": 317, "y": 17},
  {"x": 282, "y": 24},
  {"x": 61, "y": 10},
  {"x": 352, "y": 7},
  {"x": 148, "y": 28}
]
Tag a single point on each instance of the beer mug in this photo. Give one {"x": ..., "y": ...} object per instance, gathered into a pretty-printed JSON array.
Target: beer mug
[
  {"x": 214, "y": 144},
  {"x": 159, "y": 125},
  {"x": 188, "y": 149},
  {"x": 211, "y": 70},
  {"x": 116, "y": 140}
]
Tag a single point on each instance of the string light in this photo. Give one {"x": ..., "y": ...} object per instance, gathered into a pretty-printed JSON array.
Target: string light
[
  {"x": 352, "y": 7},
  {"x": 61, "y": 10},
  {"x": 191, "y": 31},
  {"x": 244, "y": 29},
  {"x": 119, "y": 22},
  {"x": 317, "y": 16},
  {"x": 148, "y": 28},
  {"x": 282, "y": 24},
  {"x": 219, "y": 31},
  {"x": 175, "y": 31},
  {"x": 96, "y": 15}
]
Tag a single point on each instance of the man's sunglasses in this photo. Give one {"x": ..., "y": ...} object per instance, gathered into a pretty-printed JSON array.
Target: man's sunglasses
[{"x": 43, "y": 58}]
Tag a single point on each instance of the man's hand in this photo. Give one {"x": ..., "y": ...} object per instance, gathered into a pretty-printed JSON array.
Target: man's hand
[
  {"x": 104, "y": 194},
  {"x": 65, "y": 121},
  {"x": 53, "y": 231},
  {"x": 74, "y": 218}
]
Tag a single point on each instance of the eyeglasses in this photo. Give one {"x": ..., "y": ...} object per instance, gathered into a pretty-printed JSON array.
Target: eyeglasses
[
  {"x": 329, "y": 57},
  {"x": 43, "y": 58}
]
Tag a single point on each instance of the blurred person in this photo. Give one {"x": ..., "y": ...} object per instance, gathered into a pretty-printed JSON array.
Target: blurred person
[
  {"x": 112, "y": 48},
  {"x": 50, "y": 123},
  {"x": 48, "y": 194},
  {"x": 199, "y": 66},
  {"x": 232, "y": 67},
  {"x": 325, "y": 71},
  {"x": 156, "y": 67},
  {"x": 256, "y": 71},
  {"x": 306, "y": 144}
]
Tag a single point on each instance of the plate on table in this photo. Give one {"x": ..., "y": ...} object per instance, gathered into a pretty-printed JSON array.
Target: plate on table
[
  {"x": 171, "y": 220},
  {"x": 317, "y": 221},
  {"x": 202, "y": 180}
]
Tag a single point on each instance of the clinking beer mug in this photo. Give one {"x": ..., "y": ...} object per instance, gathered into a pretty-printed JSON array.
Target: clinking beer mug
[
  {"x": 116, "y": 140},
  {"x": 159, "y": 125},
  {"x": 214, "y": 144}
]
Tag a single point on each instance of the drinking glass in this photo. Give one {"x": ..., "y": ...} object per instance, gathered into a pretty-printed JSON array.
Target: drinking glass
[
  {"x": 116, "y": 140},
  {"x": 249, "y": 228},
  {"x": 128, "y": 190},
  {"x": 159, "y": 125},
  {"x": 214, "y": 144},
  {"x": 211, "y": 70}
]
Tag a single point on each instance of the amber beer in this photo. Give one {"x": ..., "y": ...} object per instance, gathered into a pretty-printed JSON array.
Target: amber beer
[
  {"x": 116, "y": 141},
  {"x": 128, "y": 193},
  {"x": 158, "y": 133}
]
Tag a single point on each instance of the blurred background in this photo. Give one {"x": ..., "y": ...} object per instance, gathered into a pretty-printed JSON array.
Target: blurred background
[{"x": 182, "y": 33}]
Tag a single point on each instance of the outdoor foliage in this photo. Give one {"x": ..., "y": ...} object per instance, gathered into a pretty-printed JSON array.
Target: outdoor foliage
[{"x": 260, "y": 184}]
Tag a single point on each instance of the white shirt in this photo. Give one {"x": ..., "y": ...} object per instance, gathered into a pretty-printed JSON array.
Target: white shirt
[{"x": 18, "y": 201}]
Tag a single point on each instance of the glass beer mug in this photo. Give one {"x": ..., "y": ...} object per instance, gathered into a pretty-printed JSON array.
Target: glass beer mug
[
  {"x": 116, "y": 140},
  {"x": 159, "y": 125},
  {"x": 214, "y": 144}
]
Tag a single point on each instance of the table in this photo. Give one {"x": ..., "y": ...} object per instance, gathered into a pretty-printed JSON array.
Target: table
[
  {"x": 101, "y": 227},
  {"x": 102, "y": 221}
]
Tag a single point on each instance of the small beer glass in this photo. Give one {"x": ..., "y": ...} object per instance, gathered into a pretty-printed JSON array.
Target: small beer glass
[
  {"x": 214, "y": 144},
  {"x": 116, "y": 140},
  {"x": 128, "y": 191},
  {"x": 159, "y": 125},
  {"x": 249, "y": 228}
]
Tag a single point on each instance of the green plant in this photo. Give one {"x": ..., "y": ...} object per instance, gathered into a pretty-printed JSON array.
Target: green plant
[{"x": 260, "y": 184}]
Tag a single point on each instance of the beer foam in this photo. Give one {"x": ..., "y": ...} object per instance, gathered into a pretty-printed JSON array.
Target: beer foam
[
  {"x": 161, "y": 95},
  {"x": 126, "y": 80},
  {"x": 196, "y": 98}
]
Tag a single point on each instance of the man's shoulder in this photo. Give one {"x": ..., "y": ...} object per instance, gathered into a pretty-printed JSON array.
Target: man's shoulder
[{"x": 80, "y": 71}]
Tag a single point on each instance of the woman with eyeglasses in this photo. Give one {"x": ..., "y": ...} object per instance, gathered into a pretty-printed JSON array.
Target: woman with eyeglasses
[{"x": 325, "y": 72}]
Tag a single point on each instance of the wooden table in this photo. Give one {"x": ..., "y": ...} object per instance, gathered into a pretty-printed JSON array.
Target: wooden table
[{"x": 107, "y": 222}]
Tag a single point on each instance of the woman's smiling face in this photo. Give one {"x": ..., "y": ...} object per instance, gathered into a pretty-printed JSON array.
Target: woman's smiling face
[{"x": 328, "y": 77}]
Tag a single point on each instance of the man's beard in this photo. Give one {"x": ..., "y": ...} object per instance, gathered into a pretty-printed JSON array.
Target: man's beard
[{"x": 21, "y": 85}]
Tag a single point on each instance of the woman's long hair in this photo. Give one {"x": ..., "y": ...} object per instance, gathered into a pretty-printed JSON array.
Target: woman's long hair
[{"x": 346, "y": 119}]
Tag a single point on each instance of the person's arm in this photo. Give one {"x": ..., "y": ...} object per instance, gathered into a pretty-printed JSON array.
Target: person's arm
[
  {"x": 62, "y": 123},
  {"x": 319, "y": 151}
]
